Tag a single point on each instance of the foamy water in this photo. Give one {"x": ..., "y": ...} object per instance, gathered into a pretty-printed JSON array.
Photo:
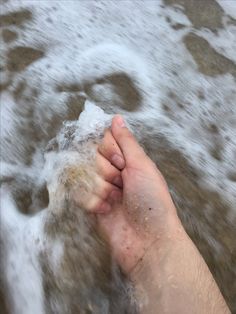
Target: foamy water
[
  {"x": 189, "y": 96},
  {"x": 65, "y": 30}
]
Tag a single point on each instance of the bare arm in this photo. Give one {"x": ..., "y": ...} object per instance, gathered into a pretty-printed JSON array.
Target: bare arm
[{"x": 174, "y": 278}]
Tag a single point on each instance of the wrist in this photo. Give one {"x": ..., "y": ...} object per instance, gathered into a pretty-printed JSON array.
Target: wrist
[
  {"x": 173, "y": 277},
  {"x": 148, "y": 278},
  {"x": 158, "y": 252}
]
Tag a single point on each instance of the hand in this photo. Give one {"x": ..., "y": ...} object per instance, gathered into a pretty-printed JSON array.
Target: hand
[
  {"x": 131, "y": 199},
  {"x": 136, "y": 214}
]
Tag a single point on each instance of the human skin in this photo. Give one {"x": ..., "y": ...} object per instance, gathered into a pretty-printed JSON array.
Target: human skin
[{"x": 137, "y": 216}]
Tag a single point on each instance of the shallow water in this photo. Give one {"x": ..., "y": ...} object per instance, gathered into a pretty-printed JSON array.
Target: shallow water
[{"x": 173, "y": 61}]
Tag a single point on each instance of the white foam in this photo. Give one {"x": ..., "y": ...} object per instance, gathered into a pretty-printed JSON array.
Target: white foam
[
  {"x": 229, "y": 7},
  {"x": 86, "y": 40},
  {"x": 6, "y": 121},
  {"x": 21, "y": 257},
  {"x": 91, "y": 121},
  {"x": 75, "y": 54}
]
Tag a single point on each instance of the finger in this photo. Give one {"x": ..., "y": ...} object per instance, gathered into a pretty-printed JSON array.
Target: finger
[
  {"x": 104, "y": 207},
  {"x": 107, "y": 171},
  {"x": 97, "y": 205},
  {"x": 103, "y": 188},
  {"x": 111, "y": 151},
  {"x": 91, "y": 202},
  {"x": 114, "y": 197},
  {"x": 130, "y": 148}
]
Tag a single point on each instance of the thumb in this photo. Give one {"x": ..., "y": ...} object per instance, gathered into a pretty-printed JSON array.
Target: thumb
[{"x": 130, "y": 148}]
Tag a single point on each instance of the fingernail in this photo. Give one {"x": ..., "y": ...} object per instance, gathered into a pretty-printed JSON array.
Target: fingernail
[
  {"x": 115, "y": 196},
  {"x": 120, "y": 121},
  {"x": 118, "y": 161},
  {"x": 118, "y": 181},
  {"x": 104, "y": 208}
]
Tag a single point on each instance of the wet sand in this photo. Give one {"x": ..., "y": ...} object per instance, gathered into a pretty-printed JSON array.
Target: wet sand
[{"x": 215, "y": 232}]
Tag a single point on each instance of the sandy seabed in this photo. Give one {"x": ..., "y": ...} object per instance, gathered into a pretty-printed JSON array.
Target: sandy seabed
[{"x": 55, "y": 53}]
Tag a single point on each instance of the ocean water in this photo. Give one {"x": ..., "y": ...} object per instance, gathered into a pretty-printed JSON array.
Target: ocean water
[{"x": 168, "y": 66}]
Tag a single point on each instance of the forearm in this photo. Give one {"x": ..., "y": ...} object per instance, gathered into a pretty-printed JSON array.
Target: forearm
[{"x": 175, "y": 279}]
